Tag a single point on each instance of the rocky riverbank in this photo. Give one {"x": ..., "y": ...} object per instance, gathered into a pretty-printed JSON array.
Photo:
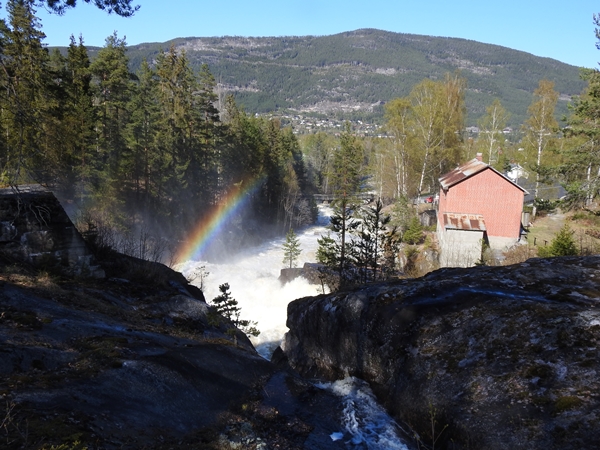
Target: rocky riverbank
[
  {"x": 486, "y": 358},
  {"x": 133, "y": 362}
]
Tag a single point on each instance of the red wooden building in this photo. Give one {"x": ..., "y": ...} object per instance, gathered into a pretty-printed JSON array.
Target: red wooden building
[{"x": 477, "y": 204}]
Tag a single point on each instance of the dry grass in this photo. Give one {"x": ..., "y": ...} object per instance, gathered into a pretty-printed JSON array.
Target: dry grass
[
  {"x": 585, "y": 226},
  {"x": 545, "y": 228}
]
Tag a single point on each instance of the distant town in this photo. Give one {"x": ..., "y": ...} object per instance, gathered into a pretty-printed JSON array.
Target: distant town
[{"x": 304, "y": 124}]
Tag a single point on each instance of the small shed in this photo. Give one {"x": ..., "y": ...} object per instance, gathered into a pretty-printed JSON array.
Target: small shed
[
  {"x": 428, "y": 217},
  {"x": 477, "y": 205}
]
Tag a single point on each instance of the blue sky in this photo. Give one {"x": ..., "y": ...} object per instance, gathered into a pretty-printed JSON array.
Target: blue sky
[{"x": 560, "y": 30}]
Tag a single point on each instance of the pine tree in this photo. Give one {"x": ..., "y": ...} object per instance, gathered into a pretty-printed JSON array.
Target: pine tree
[
  {"x": 328, "y": 255},
  {"x": 345, "y": 181},
  {"x": 376, "y": 240},
  {"x": 113, "y": 89},
  {"x": 145, "y": 167},
  {"x": 180, "y": 138},
  {"x": 328, "y": 251},
  {"x": 210, "y": 135},
  {"x": 580, "y": 167},
  {"x": 317, "y": 154},
  {"x": 414, "y": 234},
  {"x": 245, "y": 151},
  {"x": 122, "y": 8},
  {"x": 227, "y": 306},
  {"x": 79, "y": 121},
  {"x": 27, "y": 101},
  {"x": 563, "y": 244},
  {"x": 291, "y": 249}
]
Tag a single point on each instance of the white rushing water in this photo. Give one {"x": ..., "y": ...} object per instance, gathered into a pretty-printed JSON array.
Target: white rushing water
[
  {"x": 365, "y": 423},
  {"x": 253, "y": 280}
]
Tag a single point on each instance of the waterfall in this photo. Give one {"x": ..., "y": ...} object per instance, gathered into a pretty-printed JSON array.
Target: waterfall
[
  {"x": 253, "y": 280},
  {"x": 253, "y": 277}
]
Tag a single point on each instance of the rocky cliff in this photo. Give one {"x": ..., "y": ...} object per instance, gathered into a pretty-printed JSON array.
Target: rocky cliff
[
  {"x": 133, "y": 359},
  {"x": 34, "y": 228},
  {"x": 486, "y": 358}
]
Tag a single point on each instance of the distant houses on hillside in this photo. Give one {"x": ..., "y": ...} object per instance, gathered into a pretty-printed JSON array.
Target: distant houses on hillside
[
  {"x": 476, "y": 130},
  {"x": 302, "y": 124}
]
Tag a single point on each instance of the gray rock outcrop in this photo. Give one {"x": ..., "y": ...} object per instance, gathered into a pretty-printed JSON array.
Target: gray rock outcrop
[
  {"x": 34, "y": 228},
  {"x": 123, "y": 364},
  {"x": 486, "y": 358}
]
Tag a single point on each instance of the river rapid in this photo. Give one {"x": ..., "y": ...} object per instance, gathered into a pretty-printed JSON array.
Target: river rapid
[{"x": 253, "y": 277}]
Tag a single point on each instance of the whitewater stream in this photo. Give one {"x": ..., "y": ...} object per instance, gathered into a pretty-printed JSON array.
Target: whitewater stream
[{"x": 253, "y": 280}]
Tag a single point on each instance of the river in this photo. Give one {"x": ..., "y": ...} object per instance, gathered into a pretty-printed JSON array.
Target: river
[{"x": 253, "y": 279}]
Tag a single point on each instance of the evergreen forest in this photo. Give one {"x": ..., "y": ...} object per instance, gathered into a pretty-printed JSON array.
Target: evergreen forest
[{"x": 139, "y": 155}]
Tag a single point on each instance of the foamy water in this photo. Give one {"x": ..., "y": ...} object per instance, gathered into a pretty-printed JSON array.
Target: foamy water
[
  {"x": 365, "y": 424},
  {"x": 253, "y": 280}
]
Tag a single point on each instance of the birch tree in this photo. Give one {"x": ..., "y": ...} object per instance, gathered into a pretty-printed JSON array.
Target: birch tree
[
  {"x": 426, "y": 102},
  {"x": 490, "y": 130},
  {"x": 541, "y": 125},
  {"x": 437, "y": 124},
  {"x": 398, "y": 114}
]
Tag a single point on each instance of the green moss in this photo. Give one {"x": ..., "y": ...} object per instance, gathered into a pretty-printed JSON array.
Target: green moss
[
  {"x": 566, "y": 403},
  {"x": 542, "y": 371},
  {"x": 99, "y": 353},
  {"x": 21, "y": 319},
  {"x": 74, "y": 446},
  {"x": 541, "y": 401}
]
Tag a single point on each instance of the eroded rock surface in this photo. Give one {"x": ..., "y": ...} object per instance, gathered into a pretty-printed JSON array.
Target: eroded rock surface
[
  {"x": 487, "y": 358},
  {"x": 129, "y": 363}
]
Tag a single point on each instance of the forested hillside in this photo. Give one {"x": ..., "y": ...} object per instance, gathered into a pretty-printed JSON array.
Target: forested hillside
[
  {"x": 350, "y": 75},
  {"x": 142, "y": 157}
]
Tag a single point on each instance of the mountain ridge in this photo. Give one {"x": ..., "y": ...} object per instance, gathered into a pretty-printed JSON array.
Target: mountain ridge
[{"x": 352, "y": 74}]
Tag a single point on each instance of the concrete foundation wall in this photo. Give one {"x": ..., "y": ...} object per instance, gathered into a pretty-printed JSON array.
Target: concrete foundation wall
[
  {"x": 501, "y": 243},
  {"x": 459, "y": 248}
]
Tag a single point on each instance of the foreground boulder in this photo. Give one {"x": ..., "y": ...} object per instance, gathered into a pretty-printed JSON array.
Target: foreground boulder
[
  {"x": 486, "y": 358},
  {"x": 127, "y": 363}
]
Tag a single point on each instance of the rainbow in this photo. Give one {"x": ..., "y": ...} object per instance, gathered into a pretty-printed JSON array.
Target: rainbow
[{"x": 210, "y": 226}]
